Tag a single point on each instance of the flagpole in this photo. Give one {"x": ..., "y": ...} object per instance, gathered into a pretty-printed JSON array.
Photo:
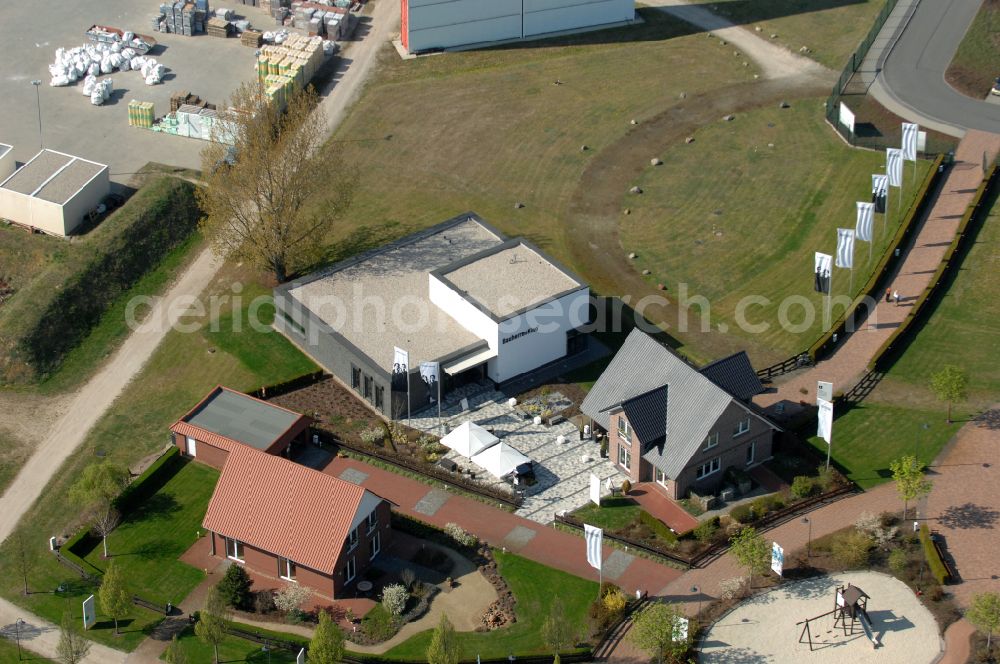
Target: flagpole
[
  {"x": 439, "y": 379},
  {"x": 408, "y": 414}
]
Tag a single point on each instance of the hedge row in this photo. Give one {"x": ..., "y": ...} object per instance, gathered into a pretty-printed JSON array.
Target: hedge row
[
  {"x": 938, "y": 569},
  {"x": 57, "y": 310},
  {"x": 858, "y": 311}
]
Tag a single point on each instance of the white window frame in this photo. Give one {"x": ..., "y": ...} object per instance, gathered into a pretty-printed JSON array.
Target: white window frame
[
  {"x": 286, "y": 569},
  {"x": 624, "y": 429},
  {"x": 660, "y": 477},
  {"x": 751, "y": 452},
  {"x": 375, "y": 545},
  {"x": 742, "y": 427},
  {"x": 352, "y": 540},
  {"x": 625, "y": 453},
  {"x": 711, "y": 440},
  {"x": 237, "y": 548},
  {"x": 372, "y": 520},
  {"x": 710, "y": 467},
  {"x": 350, "y": 570}
]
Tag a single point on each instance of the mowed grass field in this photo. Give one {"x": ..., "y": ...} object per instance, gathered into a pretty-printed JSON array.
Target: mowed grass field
[
  {"x": 830, "y": 29},
  {"x": 483, "y": 130},
  {"x": 731, "y": 216},
  {"x": 977, "y": 61}
]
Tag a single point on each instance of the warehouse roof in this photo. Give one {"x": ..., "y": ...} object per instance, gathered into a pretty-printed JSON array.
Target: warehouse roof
[
  {"x": 509, "y": 278},
  {"x": 53, "y": 176},
  {"x": 286, "y": 508},
  {"x": 381, "y": 299},
  {"x": 239, "y": 417}
]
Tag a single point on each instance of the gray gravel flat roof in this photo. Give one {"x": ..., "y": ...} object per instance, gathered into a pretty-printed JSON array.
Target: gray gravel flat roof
[
  {"x": 242, "y": 418},
  {"x": 62, "y": 187},
  {"x": 30, "y": 177},
  {"x": 383, "y": 300},
  {"x": 511, "y": 279},
  {"x": 4, "y": 149},
  {"x": 74, "y": 173}
]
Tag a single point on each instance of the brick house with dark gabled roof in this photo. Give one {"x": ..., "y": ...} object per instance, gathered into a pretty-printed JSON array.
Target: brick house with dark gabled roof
[
  {"x": 673, "y": 425},
  {"x": 226, "y": 419},
  {"x": 287, "y": 521}
]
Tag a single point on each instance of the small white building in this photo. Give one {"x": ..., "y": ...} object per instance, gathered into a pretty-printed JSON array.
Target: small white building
[
  {"x": 53, "y": 192},
  {"x": 7, "y": 163},
  {"x": 439, "y": 24}
]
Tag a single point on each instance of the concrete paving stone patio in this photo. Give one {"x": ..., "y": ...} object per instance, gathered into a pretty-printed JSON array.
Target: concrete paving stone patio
[
  {"x": 353, "y": 476},
  {"x": 431, "y": 502},
  {"x": 562, "y": 470},
  {"x": 518, "y": 538},
  {"x": 616, "y": 564}
]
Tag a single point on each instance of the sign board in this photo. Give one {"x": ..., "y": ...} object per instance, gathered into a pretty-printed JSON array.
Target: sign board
[
  {"x": 846, "y": 117},
  {"x": 89, "y": 615},
  {"x": 464, "y": 404},
  {"x": 595, "y": 489},
  {"x": 921, "y": 141},
  {"x": 301, "y": 657},
  {"x": 840, "y": 598},
  {"x": 681, "y": 630},
  {"x": 824, "y": 391},
  {"x": 777, "y": 558}
]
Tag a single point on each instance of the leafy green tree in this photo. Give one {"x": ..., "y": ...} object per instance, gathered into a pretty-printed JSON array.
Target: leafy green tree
[
  {"x": 558, "y": 631},
  {"x": 116, "y": 602},
  {"x": 174, "y": 653},
  {"x": 656, "y": 630},
  {"x": 96, "y": 490},
  {"x": 949, "y": 385},
  {"x": 984, "y": 613},
  {"x": 212, "y": 621},
  {"x": 234, "y": 588},
  {"x": 444, "y": 644},
  {"x": 72, "y": 646},
  {"x": 327, "y": 644},
  {"x": 908, "y": 474},
  {"x": 751, "y": 551}
]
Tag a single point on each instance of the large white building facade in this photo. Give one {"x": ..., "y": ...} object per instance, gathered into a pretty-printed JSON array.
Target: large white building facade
[
  {"x": 459, "y": 295},
  {"x": 439, "y": 24}
]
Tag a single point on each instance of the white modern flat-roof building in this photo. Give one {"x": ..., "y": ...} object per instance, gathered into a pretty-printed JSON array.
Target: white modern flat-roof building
[
  {"x": 53, "y": 192},
  {"x": 459, "y": 294}
]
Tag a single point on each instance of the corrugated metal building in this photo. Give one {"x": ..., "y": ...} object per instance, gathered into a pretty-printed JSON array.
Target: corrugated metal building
[{"x": 437, "y": 24}]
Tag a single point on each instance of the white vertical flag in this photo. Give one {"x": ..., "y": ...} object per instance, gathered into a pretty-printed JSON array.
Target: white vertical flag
[
  {"x": 866, "y": 220},
  {"x": 910, "y": 132},
  {"x": 894, "y": 166},
  {"x": 777, "y": 558},
  {"x": 845, "y": 247},
  {"x": 824, "y": 429},
  {"x": 821, "y": 273},
  {"x": 594, "y": 537},
  {"x": 880, "y": 187}
]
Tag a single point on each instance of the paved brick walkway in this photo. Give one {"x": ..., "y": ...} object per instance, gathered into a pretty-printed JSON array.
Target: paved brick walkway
[
  {"x": 532, "y": 540},
  {"x": 849, "y": 363}
]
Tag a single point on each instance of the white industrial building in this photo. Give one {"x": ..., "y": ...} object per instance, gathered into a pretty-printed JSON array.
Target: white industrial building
[
  {"x": 7, "y": 163},
  {"x": 54, "y": 192},
  {"x": 439, "y": 24}
]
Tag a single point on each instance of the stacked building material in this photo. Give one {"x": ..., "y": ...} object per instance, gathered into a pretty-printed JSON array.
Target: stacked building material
[
  {"x": 252, "y": 38},
  {"x": 297, "y": 58},
  {"x": 183, "y": 18},
  {"x": 141, "y": 114},
  {"x": 218, "y": 27}
]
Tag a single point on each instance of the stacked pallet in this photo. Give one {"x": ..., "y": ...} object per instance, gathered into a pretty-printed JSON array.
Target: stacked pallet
[
  {"x": 298, "y": 58},
  {"x": 185, "y": 98},
  {"x": 252, "y": 38},
  {"x": 182, "y": 18},
  {"x": 218, "y": 27},
  {"x": 320, "y": 19},
  {"x": 141, "y": 114}
]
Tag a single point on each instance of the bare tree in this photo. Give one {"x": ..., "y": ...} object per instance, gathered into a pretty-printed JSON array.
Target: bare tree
[
  {"x": 23, "y": 561},
  {"x": 72, "y": 646},
  {"x": 276, "y": 187}
]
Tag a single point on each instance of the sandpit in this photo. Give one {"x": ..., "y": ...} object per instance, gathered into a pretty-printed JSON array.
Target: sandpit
[{"x": 763, "y": 628}]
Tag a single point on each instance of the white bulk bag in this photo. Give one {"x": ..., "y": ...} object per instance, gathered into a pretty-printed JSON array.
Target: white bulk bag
[
  {"x": 126, "y": 65},
  {"x": 94, "y": 69},
  {"x": 128, "y": 53},
  {"x": 106, "y": 66},
  {"x": 89, "y": 84},
  {"x": 59, "y": 81},
  {"x": 96, "y": 97}
]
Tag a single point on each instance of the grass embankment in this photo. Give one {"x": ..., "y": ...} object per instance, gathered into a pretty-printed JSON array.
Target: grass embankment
[
  {"x": 736, "y": 218},
  {"x": 977, "y": 61},
  {"x": 181, "y": 371},
  {"x": 902, "y": 415},
  {"x": 830, "y": 31}
]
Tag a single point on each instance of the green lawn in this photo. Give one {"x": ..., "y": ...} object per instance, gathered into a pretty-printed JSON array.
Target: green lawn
[
  {"x": 8, "y": 650},
  {"x": 831, "y": 29},
  {"x": 532, "y": 585},
  {"x": 736, "y": 218},
  {"x": 181, "y": 371},
  {"x": 147, "y": 544},
  {"x": 235, "y": 649},
  {"x": 977, "y": 61},
  {"x": 613, "y": 514}
]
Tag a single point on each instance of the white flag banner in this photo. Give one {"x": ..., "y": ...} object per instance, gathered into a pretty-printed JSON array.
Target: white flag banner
[
  {"x": 845, "y": 247},
  {"x": 824, "y": 428},
  {"x": 595, "y": 489},
  {"x": 880, "y": 188},
  {"x": 400, "y": 368},
  {"x": 894, "y": 166},
  {"x": 777, "y": 558},
  {"x": 821, "y": 273},
  {"x": 910, "y": 132},
  {"x": 430, "y": 373},
  {"x": 866, "y": 221},
  {"x": 594, "y": 538}
]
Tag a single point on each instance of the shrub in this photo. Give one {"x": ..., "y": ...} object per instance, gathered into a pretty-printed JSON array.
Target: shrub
[
  {"x": 658, "y": 528},
  {"x": 288, "y": 599},
  {"x": 706, "y": 530},
  {"x": 803, "y": 486},
  {"x": 394, "y": 598},
  {"x": 234, "y": 588},
  {"x": 408, "y": 577},
  {"x": 626, "y": 487},
  {"x": 898, "y": 561},
  {"x": 456, "y": 532},
  {"x": 742, "y": 513},
  {"x": 874, "y": 526},
  {"x": 764, "y": 505},
  {"x": 938, "y": 569},
  {"x": 614, "y": 602},
  {"x": 851, "y": 549},
  {"x": 263, "y": 601},
  {"x": 826, "y": 479},
  {"x": 373, "y": 435}
]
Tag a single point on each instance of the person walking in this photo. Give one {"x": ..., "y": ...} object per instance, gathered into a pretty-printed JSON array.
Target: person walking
[
  {"x": 895, "y": 297},
  {"x": 888, "y": 294}
]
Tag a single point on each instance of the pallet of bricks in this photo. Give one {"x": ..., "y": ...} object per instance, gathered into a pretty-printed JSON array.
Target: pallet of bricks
[
  {"x": 218, "y": 27},
  {"x": 141, "y": 114},
  {"x": 252, "y": 38},
  {"x": 290, "y": 66},
  {"x": 327, "y": 21},
  {"x": 182, "y": 18},
  {"x": 279, "y": 10},
  {"x": 179, "y": 99}
]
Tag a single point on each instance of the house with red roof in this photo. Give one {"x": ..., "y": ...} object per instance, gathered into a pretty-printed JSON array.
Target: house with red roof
[
  {"x": 287, "y": 521},
  {"x": 226, "y": 419}
]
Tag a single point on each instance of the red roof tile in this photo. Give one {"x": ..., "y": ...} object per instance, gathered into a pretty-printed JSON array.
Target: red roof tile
[
  {"x": 206, "y": 436},
  {"x": 284, "y": 508}
]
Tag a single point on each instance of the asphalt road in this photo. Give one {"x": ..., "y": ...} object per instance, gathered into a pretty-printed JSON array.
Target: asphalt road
[{"x": 913, "y": 74}]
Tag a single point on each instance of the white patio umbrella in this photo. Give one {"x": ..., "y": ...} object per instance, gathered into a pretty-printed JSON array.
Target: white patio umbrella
[{"x": 469, "y": 439}]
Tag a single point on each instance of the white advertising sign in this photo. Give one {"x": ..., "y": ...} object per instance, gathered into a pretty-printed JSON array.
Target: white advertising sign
[
  {"x": 89, "y": 615},
  {"x": 595, "y": 489},
  {"x": 846, "y": 117},
  {"x": 301, "y": 657},
  {"x": 825, "y": 427},
  {"x": 777, "y": 558},
  {"x": 824, "y": 391}
]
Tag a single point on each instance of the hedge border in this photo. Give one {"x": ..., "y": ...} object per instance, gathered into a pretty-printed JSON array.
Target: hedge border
[{"x": 939, "y": 570}]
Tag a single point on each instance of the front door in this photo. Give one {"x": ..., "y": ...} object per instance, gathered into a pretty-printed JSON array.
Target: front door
[{"x": 192, "y": 446}]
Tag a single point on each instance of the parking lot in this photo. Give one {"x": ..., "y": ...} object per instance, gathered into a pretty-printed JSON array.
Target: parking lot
[{"x": 210, "y": 67}]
